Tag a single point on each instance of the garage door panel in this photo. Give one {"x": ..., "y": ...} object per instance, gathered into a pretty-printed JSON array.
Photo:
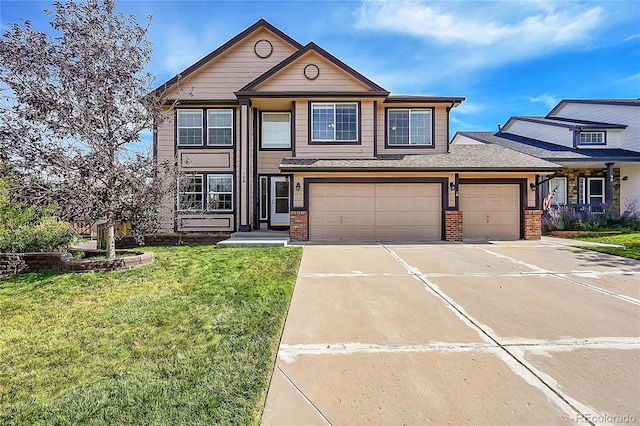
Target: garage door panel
[
  {"x": 490, "y": 211},
  {"x": 370, "y": 211}
]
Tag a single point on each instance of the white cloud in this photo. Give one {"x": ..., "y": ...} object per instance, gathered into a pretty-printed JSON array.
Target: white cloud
[
  {"x": 547, "y": 99},
  {"x": 475, "y": 35}
]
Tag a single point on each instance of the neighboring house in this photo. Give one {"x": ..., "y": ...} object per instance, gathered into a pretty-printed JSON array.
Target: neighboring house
[
  {"x": 269, "y": 133},
  {"x": 597, "y": 141}
]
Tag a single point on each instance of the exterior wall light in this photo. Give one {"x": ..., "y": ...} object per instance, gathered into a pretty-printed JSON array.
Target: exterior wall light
[{"x": 298, "y": 186}]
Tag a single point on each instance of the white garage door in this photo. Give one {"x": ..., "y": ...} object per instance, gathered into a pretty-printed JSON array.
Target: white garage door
[
  {"x": 490, "y": 211},
  {"x": 375, "y": 211}
]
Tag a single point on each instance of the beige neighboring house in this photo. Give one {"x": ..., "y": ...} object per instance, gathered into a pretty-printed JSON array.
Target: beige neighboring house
[
  {"x": 597, "y": 142},
  {"x": 273, "y": 134}
]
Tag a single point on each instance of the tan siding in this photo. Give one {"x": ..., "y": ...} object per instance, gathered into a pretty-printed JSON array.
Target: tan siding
[
  {"x": 331, "y": 77},
  {"x": 334, "y": 150},
  {"x": 205, "y": 159},
  {"x": 269, "y": 161},
  {"x": 165, "y": 155},
  {"x": 235, "y": 68},
  {"x": 441, "y": 137}
]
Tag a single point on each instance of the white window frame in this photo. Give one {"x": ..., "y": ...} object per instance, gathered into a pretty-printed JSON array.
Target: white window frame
[
  {"x": 588, "y": 190},
  {"x": 409, "y": 141},
  {"x": 603, "y": 140},
  {"x": 262, "y": 138},
  {"x": 210, "y": 192},
  {"x": 181, "y": 193},
  {"x": 333, "y": 125},
  {"x": 178, "y": 127},
  {"x": 563, "y": 183},
  {"x": 209, "y": 126}
]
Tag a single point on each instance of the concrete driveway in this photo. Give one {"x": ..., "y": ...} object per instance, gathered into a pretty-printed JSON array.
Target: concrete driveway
[{"x": 501, "y": 333}]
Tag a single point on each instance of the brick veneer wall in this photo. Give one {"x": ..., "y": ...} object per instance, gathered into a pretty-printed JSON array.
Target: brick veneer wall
[
  {"x": 65, "y": 262},
  {"x": 532, "y": 224},
  {"x": 453, "y": 225},
  {"x": 299, "y": 225},
  {"x": 572, "y": 183}
]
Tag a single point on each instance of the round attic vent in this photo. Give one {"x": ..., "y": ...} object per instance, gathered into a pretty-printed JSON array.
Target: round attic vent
[
  {"x": 311, "y": 71},
  {"x": 263, "y": 48}
]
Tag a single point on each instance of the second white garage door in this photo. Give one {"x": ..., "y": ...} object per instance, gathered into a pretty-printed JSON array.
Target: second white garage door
[
  {"x": 375, "y": 211},
  {"x": 490, "y": 211}
]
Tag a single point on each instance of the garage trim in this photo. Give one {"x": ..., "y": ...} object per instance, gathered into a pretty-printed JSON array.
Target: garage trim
[
  {"x": 523, "y": 194},
  {"x": 442, "y": 181}
]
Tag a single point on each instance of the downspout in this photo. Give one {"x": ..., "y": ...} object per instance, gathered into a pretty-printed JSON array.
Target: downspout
[{"x": 449, "y": 108}]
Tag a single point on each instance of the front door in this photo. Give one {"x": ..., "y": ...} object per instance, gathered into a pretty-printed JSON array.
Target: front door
[{"x": 279, "y": 201}]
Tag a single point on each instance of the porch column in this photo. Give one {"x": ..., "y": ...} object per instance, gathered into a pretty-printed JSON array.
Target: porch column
[
  {"x": 243, "y": 185},
  {"x": 608, "y": 190}
]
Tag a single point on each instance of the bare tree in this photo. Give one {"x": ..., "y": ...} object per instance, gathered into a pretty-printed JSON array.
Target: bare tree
[{"x": 74, "y": 106}]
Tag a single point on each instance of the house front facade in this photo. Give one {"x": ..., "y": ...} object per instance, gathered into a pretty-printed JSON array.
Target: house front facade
[
  {"x": 267, "y": 133},
  {"x": 597, "y": 141}
]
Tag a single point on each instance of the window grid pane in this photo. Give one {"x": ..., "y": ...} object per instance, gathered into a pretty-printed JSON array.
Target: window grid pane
[
  {"x": 220, "y": 192},
  {"x": 190, "y": 193},
  {"x": 190, "y": 127},
  {"x": 346, "y": 122},
  {"x": 561, "y": 196},
  {"x": 591, "y": 137},
  {"x": 220, "y": 126},
  {"x": 323, "y": 122},
  {"x": 420, "y": 127},
  {"x": 398, "y": 127}
]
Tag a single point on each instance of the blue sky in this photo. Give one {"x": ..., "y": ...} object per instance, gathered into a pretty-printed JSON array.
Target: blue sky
[{"x": 506, "y": 57}]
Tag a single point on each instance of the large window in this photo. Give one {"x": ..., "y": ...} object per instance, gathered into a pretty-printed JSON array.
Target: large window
[
  {"x": 334, "y": 122},
  {"x": 220, "y": 192},
  {"x": 220, "y": 127},
  {"x": 592, "y": 138},
  {"x": 189, "y": 127},
  {"x": 276, "y": 130},
  {"x": 561, "y": 195},
  {"x": 190, "y": 193},
  {"x": 409, "y": 127}
]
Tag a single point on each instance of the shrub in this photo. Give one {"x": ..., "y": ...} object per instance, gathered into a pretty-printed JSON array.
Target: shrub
[
  {"x": 565, "y": 218},
  {"x": 46, "y": 234}
]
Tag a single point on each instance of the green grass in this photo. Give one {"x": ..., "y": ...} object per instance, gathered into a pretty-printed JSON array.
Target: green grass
[
  {"x": 190, "y": 339},
  {"x": 631, "y": 242}
]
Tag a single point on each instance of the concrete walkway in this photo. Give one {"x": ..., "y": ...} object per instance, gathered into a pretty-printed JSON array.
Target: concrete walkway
[{"x": 500, "y": 333}]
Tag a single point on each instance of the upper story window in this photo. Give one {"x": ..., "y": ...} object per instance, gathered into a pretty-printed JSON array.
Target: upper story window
[
  {"x": 409, "y": 127},
  {"x": 276, "y": 130},
  {"x": 190, "y": 193},
  {"x": 591, "y": 138},
  {"x": 334, "y": 122},
  {"x": 220, "y": 127},
  {"x": 189, "y": 127}
]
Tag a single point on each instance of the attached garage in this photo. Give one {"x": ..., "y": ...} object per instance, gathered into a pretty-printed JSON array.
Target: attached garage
[
  {"x": 490, "y": 211},
  {"x": 375, "y": 211}
]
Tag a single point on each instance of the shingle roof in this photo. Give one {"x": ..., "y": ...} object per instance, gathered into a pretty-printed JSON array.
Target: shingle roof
[
  {"x": 550, "y": 151},
  {"x": 460, "y": 158}
]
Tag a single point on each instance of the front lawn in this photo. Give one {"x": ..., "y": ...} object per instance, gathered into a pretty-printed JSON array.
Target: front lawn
[
  {"x": 190, "y": 339},
  {"x": 630, "y": 241}
]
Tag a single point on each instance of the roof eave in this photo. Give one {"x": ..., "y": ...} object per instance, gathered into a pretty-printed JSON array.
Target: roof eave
[
  {"x": 293, "y": 168},
  {"x": 257, "y": 94}
]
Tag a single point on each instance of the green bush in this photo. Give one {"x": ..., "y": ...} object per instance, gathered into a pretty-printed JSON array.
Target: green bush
[
  {"x": 564, "y": 218},
  {"x": 47, "y": 234}
]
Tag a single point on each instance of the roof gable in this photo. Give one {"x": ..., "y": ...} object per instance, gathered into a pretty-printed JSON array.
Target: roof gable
[
  {"x": 226, "y": 47},
  {"x": 615, "y": 102},
  {"x": 311, "y": 69}
]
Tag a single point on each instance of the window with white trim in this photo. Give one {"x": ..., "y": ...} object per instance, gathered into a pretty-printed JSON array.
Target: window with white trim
[
  {"x": 334, "y": 122},
  {"x": 190, "y": 193},
  {"x": 189, "y": 126},
  {"x": 219, "y": 127},
  {"x": 276, "y": 130},
  {"x": 220, "y": 192},
  {"x": 409, "y": 127},
  {"x": 561, "y": 196},
  {"x": 591, "y": 138}
]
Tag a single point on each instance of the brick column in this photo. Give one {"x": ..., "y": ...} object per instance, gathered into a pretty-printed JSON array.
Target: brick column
[
  {"x": 299, "y": 225},
  {"x": 532, "y": 224},
  {"x": 453, "y": 225}
]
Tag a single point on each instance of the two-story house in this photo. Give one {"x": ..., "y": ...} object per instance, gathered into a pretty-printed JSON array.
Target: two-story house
[
  {"x": 268, "y": 133},
  {"x": 597, "y": 141}
]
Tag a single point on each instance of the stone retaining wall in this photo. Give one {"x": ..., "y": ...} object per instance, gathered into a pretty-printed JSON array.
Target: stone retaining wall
[
  {"x": 12, "y": 263},
  {"x": 128, "y": 242}
]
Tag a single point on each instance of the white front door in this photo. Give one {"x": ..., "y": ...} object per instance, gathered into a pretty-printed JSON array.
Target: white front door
[{"x": 279, "y": 201}]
